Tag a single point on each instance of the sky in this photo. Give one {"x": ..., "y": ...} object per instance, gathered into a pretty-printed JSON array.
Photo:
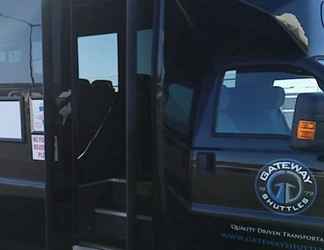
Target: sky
[{"x": 98, "y": 56}]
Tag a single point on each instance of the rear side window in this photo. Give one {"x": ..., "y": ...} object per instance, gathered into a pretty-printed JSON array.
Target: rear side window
[
  {"x": 178, "y": 108},
  {"x": 260, "y": 102}
]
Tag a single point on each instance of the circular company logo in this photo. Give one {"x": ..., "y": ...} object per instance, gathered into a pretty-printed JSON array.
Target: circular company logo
[{"x": 286, "y": 187}]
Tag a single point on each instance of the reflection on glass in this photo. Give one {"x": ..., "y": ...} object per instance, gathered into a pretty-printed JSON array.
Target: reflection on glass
[
  {"x": 256, "y": 102},
  {"x": 144, "y": 51},
  {"x": 21, "y": 59}
]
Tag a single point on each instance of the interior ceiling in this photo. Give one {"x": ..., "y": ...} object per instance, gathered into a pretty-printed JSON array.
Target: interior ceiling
[{"x": 244, "y": 25}]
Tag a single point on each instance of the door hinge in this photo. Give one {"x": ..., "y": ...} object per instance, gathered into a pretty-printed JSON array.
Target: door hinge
[{"x": 56, "y": 154}]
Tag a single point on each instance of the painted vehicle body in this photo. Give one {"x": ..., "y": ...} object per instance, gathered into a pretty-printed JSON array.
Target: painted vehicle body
[{"x": 214, "y": 170}]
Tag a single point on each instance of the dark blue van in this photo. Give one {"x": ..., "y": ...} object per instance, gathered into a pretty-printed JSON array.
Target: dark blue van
[
  {"x": 161, "y": 124},
  {"x": 244, "y": 125}
]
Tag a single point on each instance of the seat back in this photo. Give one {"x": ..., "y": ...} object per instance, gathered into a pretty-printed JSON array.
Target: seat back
[
  {"x": 144, "y": 124},
  {"x": 104, "y": 98},
  {"x": 85, "y": 111},
  {"x": 257, "y": 110},
  {"x": 104, "y": 158}
]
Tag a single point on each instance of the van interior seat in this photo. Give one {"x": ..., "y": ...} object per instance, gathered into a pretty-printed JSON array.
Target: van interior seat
[
  {"x": 104, "y": 98},
  {"x": 95, "y": 99},
  {"x": 105, "y": 155},
  {"x": 85, "y": 110},
  {"x": 256, "y": 109},
  {"x": 145, "y": 123}
]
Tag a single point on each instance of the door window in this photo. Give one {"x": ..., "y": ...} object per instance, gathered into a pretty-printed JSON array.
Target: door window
[
  {"x": 260, "y": 102},
  {"x": 178, "y": 108},
  {"x": 144, "y": 51},
  {"x": 98, "y": 58}
]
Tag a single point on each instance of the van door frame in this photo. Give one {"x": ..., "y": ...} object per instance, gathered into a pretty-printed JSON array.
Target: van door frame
[
  {"x": 58, "y": 71},
  {"x": 160, "y": 236},
  {"x": 130, "y": 119},
  {"x": 56, "y": 50}
]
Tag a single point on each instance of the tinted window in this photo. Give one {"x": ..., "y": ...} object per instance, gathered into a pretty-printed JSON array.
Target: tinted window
[
  {"x": 260, "y": 102},
  {"x": 178, "y": 108},
  {"x": 292, "y": 89},
  {"x": 230, "y": 79},
  {"x": 21, "y": 59},
  {"x": 98, "y": 58},
  {"x": 144, "y": 51}
]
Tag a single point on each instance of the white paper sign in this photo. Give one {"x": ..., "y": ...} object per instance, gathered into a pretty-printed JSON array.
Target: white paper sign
[
  {"x": 10, "y": 125},
  {"x": 38, "y": 144},
  {"x": 37, "y": 115}
]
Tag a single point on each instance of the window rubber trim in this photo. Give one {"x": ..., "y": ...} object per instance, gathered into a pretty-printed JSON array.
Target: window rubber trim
[{"x": 322, "y": 13}]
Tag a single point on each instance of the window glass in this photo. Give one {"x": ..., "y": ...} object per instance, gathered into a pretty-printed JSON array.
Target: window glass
[
  {"x": 98, "y": 58},
  {"x": 144, "y": 51},
  {"x": 261, "y": 102},
  {"x": 229, "y": 79},
  {"x": 322, "y": 13},
  {"x": 37, "y": 53},
  {"x": 292, "y": 89},
  {"x": 178, "y": 108},
  {"x": 21, "y": 59}
]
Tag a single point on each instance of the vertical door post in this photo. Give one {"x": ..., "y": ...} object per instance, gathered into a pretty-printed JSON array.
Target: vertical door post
[{"x": 131, "y": 124}]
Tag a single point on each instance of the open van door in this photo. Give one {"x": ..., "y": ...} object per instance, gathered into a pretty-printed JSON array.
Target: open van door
[{"x": 99, "y": 104}]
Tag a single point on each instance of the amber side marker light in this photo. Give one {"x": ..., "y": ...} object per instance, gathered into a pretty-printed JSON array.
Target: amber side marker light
[{"x": 306, "y": 130}]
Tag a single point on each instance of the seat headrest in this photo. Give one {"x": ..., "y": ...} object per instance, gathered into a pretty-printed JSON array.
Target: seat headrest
[
  {"x": 83, "y": 83},
  {"x": 84, "y": 87},
  {"x": 253, "y": 79},
  {"x": 258, "y": 98},
  {"x": 103, "y": 87},
  {"x": 102, "y": 83}
]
